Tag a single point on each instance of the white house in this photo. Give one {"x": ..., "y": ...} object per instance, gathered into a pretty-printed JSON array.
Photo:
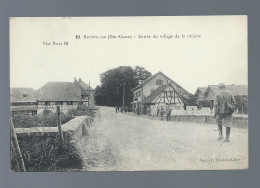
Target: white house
[{"x": 149, "y": 88}]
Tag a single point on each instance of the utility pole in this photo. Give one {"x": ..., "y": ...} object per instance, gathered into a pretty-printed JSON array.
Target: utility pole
[{"x": 124, "y": 95}]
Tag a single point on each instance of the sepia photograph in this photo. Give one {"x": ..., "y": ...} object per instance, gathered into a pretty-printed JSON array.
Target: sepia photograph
[{"x": 155, "y": 93}]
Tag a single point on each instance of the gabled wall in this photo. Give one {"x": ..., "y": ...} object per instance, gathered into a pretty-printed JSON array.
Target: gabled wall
[{"x": 151, "y": 84}]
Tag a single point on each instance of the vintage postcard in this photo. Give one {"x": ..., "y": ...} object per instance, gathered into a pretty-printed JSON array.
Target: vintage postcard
[{"x": 128, "y": 93}]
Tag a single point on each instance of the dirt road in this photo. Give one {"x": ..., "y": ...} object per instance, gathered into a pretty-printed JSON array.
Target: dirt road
[{"x": 120, "y": 141}]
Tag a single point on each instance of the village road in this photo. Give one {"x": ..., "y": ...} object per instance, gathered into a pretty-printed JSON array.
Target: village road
[{"x": 126, "y": 142}]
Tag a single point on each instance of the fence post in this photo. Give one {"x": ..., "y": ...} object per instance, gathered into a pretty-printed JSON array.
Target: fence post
[
  {"x": 16, "y": 149},
  {"x": 61, "y": 141}
]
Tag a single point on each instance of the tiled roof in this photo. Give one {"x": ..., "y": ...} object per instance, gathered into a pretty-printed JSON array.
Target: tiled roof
[
  {"x": 200, "y": 89},
  {"x": 155, "y": 93},
  {"x": 22, "y": 95},
  {"x": 85, "y": 86},
  {"x": 151, "y": 77},
  {"x": 58, "y": 91},
  {"x": 236, "y": 90}
]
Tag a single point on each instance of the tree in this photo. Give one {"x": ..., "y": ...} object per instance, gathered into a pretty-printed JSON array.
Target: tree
[
  {"x": 141, "y": 74},
  {"x": 110, "y": 92}
]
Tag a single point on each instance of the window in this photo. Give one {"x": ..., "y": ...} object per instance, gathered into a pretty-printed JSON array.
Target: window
[
  {"x": 59, "y": 103},
  {"x": 47, "y": 103},
  {"x": 69, "y": 103},
  {"x": 25, "y": 95},
  {"x": 138, "y": 94},
  {"x": 159, "y": 82}
]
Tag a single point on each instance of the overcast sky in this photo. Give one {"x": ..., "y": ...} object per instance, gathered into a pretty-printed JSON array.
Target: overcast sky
[{"x": 220, "y": 55}]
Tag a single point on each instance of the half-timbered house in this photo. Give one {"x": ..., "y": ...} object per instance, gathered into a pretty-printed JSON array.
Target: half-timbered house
[
  {"x": 64, "y": 94},
  {"x": 165, "y": 95},
  {"x": 87, "y": 93},
  {"x": 152, "y": 86}
]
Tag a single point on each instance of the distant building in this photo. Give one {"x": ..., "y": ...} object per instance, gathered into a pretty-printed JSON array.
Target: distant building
[
  {"x": 67, "y": 95},
  {"x": 53, "y": 94},
  {"x": 199, "y": 95},
  {"x": 206, "y": 98},
  {"x": 159, "y": 89},
  {"x": 87, "y": 93},
  {"x": 164, "y": 95},
  {"x": 22, "y": 100}
]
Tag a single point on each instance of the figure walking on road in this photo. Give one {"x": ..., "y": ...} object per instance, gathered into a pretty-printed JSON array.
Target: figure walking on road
[{"x": 224, "y": 106}]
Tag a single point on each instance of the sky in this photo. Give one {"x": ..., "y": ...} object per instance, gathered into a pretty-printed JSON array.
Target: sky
[{"x": 218, "y": 55}]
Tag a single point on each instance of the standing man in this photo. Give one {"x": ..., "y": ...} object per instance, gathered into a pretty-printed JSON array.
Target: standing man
[
  {"x": 162, "y": 112},
  {"x": 158, "y": 110},
  {"x": 224, "y": 106},
  {"x": 168, "y": 111}
]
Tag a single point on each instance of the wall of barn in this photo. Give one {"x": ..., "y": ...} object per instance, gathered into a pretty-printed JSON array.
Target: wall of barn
[{"x": 53, "y": 107}]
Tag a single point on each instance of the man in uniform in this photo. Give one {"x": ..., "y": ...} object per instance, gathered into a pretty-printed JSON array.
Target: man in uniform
[{"x": 224, "y": 106}]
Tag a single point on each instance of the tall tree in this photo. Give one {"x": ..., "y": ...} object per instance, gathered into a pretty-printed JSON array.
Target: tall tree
[
  {"x": 110, "y": 92},
  {"x": 141, "y": 74}
]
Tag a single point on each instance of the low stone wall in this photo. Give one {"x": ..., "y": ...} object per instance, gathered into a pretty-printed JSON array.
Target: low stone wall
[
  {"x": 238, "y": 121},
  {"x": 34, "y": 139},
  {"x": 74, "y": 128}
]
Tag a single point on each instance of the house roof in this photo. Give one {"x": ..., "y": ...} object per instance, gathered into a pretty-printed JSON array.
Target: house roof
[
  {"x": 155, "y": 93},
  {"x": 58, "y": 91},
  {"x": 83, "y": 86},
  {"x": 22, "y": 95},
  {"x": 158, "y": 91},
  {"x": 234, "y": 89},
  {"x": 200, "y": 89},
  {"x": 151, "y": 77}
]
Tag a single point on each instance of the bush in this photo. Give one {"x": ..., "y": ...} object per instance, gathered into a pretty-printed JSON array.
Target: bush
[
  {"x": 48, "y": 119},
  {"x": 80, "y": 111},
  {"x": 43, "y": 154}
]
